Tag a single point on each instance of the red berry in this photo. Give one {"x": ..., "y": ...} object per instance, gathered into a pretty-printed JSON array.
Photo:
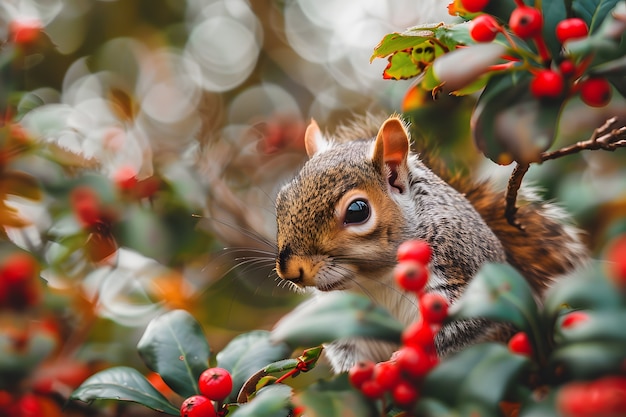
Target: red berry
[
  {"x": 520, "y": 344},
  {"x": 86, "y": 205},
  {"x": 29, "y": 406},
  {"x": 616, "y": 257},
  {"x": 526, "y": 22},
  {"x": 372, "y": 389},
  {"x": 411, "y": 275},
  {"x": 197, "y": 406},
  {"x": 386, "y": 374},
  {"x": 125, "y": 178},
  {"x": 414, "y": 250},
  {"x": 433, "y": 308},
  {"x": 405, "y": 394},
  {"x": 359, "y": 373},
  {"x": 414, "y": 361},
  {"x": 571, "y": 29},
  {"x": 484, "y": 28},
  {"x": 602, "y": 397},
  {"x": 567, "y": 68},
  {"x": 25, "y": 31},
  {"x": 419, "y": 333},
  {"x": 215, "y": 383},
  {"x": 595, "y": 92},
  {"x": 18, "y": 268},
  {"x": 474, "y": 6},
  {"x": 573, "y": 318},
  {"x": 547, "y": 84}
]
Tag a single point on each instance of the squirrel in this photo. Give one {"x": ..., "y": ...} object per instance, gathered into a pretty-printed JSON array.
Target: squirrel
[{"x": 343, "y": 216}]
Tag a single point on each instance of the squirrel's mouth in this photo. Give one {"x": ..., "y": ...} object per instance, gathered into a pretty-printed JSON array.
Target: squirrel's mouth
[{"x": 332, "y": 286}]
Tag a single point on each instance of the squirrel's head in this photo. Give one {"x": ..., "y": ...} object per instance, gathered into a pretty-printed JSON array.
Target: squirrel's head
[{"x": 336, "y": 220}]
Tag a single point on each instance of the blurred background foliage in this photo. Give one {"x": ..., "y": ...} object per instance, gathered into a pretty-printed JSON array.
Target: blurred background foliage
[{"x": 140, "y": 138}]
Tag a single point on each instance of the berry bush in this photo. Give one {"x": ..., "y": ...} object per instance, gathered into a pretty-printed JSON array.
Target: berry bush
[{"x": 95, "y": 245}]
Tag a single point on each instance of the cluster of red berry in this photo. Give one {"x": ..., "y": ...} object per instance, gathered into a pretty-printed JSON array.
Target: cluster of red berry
[
  {"x": 559, "y": 77},
  {"x": 19, "y": 281},
  {"x": 215, "y": 384},
  {"x": 401, "y": 375}
]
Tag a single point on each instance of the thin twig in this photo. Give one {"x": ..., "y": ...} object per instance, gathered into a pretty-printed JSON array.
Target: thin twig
[
  {"x": 515, "y": 182},
  {"x": 607, "y": 137}
]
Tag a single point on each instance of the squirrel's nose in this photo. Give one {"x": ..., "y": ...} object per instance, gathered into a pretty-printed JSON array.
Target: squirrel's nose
[{"x": 298, "y": 269}]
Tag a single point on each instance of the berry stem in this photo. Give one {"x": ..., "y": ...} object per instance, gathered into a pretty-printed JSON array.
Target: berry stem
[
  {"x": 520, "y": 3},
  {"x": 501, "y": 67},
  {"x": 291, "y": 372},
  {"x": 544, "y": 53}
]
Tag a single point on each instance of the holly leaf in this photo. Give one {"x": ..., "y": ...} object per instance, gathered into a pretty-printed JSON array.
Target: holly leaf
[
  {"x": 334, "y": 316},
  {"x": 585, "y": 289},
  {"x": 498, "y": 292},
  {"x": 247, "y": 353},
  {"x": 481, "y": 376},
  {"x": 401, "y": 67},
  {"x": 588, "y": 360},
  {"x": 271, "y": 401},
  {"x": 123, "y": 384},
  {"x": 175, "y": 347},
  {"x": 334, "y": 398},
  {"x": 509, "y": 124},
  {"x": 395, "y": 42},
  {"x": 592, "y": 11}
]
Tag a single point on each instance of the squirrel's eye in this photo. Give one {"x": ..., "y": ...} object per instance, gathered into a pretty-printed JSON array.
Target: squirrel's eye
[{"x": 357, "y": 212}]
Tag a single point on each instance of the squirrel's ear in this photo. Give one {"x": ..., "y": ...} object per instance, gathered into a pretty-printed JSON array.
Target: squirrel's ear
[
  {"x": 314, "y": 141},
  {"x": 391, "y": 149}
]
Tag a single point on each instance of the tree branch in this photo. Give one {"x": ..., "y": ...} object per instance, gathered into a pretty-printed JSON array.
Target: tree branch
[{"x": 607, "y": 137}]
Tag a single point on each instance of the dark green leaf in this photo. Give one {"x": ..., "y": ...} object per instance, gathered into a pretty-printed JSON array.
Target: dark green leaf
[
  {"x": 586, "y": 289},
  {"x": 334, "y": 398},
  {"x": 588, "y": 360},
  {"x": 553, "y": 12},
  {"x": 429, "y": 407},
  {"x": 144, "y": 231},
  {"x": 174, "y": 346},
  {"x": 334, "y": 316},
  {"x": 599, "y": 326},
  {"x": 509, "y": 124},
  {"x": 123, "y": 384},
  {"x": 501, "y": 9},
  {"x": 500, "y": 293},
  {"x": 271, "y": 401},
  {"x": 592, "y": 11},
  {"x": 247, "y": 353},
  {"x": 493, "y": 378},
  {"x": 482, "y": 375},
  {"x": 543, "y": 407}
]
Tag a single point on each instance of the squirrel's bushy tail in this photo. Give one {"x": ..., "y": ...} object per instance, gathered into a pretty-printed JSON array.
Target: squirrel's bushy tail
[{"x": 546, "y": 247}]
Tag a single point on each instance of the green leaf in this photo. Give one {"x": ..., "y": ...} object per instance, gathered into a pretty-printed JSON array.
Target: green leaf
[
  {"x": 593, "y": 12},
  {"x": 493, "y": 378},
  {"x": 553, "y": 12},
  {"x": 599, "y": 326},
  {"x": 271, "y": 401},
  {"x": 509, "y": 124},
  {"x": 175, "y": 347},
  {"x": 429, "y": 407},
  {"x": 123, "y": 384},
  {"x": 247, "y": 353},
  {"x": 482, "y": 374},
  {"x": 585, "y": 289},
  {"x": 334, "y": 316},
  {"x": 401, "y": 67},
  {"x": 144, "y": 231},
  {"x": 395, "y": 42},
  {"x": 334, "y": 398},
  {"x": 588, "y": 360},
  {"x": 500, "y": 293}
]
